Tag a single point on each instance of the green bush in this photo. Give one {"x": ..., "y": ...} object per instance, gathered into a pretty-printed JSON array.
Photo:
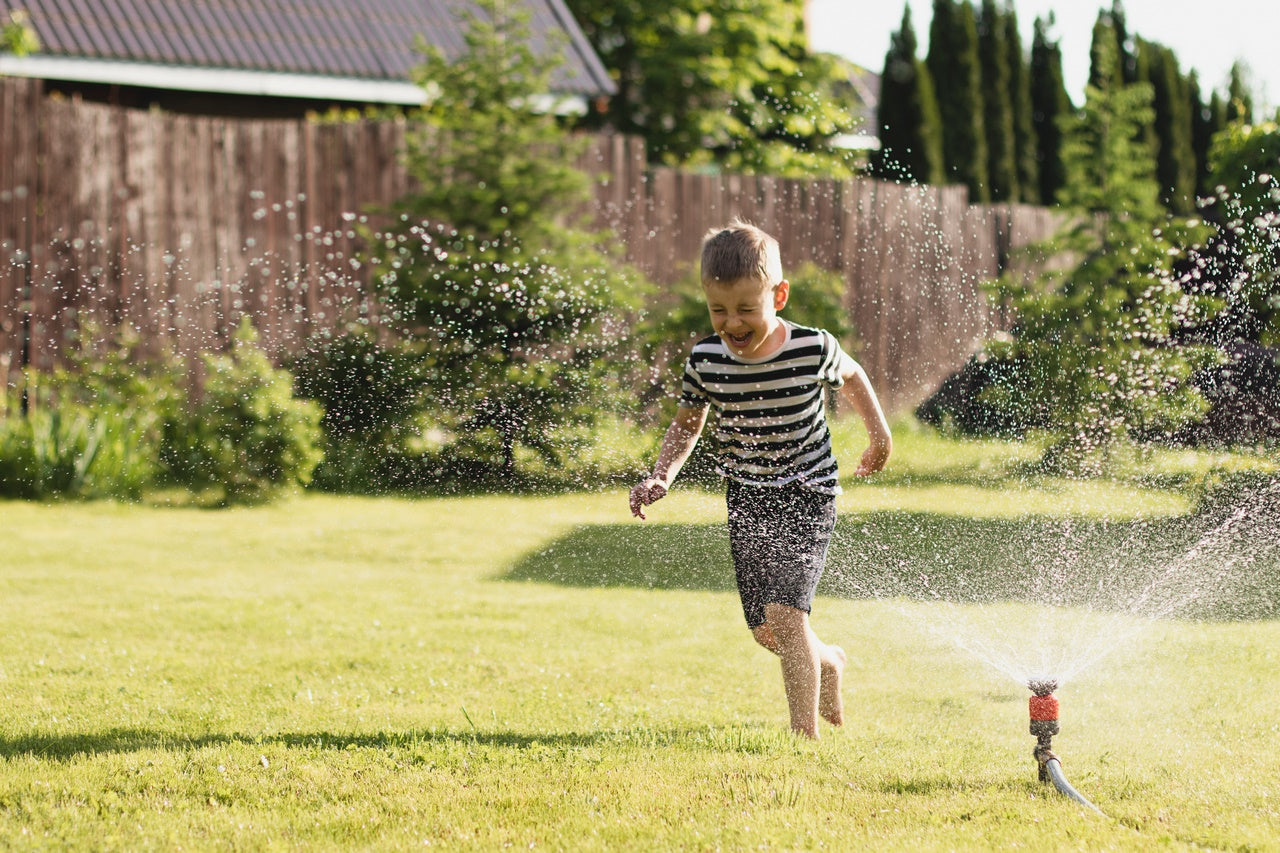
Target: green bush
[
  {"x": 92, "y": 427},
  {"x": 247, "y": 435}
]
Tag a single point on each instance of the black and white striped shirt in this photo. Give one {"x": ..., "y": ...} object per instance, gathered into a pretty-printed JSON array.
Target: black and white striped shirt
[{"x": 772, "y": 427}]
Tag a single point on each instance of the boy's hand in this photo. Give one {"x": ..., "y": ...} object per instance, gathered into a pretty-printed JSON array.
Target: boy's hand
[
  {"x": 873, "y": 460},
  {"x": 647, "y": 491}
]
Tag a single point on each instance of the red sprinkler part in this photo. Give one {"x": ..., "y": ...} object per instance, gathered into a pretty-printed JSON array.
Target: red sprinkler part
[{"x": 1043, "y": 708}]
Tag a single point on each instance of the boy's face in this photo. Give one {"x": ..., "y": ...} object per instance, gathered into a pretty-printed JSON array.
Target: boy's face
[{"x": 744, "y": 313}]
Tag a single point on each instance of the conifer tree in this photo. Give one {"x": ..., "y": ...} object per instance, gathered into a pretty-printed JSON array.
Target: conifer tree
[
  {"x": 1050, "y": 106},
  {"x": 491, "y": 268},
  {"x": 1094, "y": 344},
  {"x": 1171, "y": 128},
  {"x": 953, "y": 62},
  {"x": 910, "y": 127},
  {"x": 1239, "y": 97},
  {"x": 1024, "y": 135},
  {"x": 1207, "y": 118},
  {"x": 1002, "y": 167}
]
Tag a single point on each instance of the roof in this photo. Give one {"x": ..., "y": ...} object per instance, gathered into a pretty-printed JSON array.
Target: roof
[{"x": 259, "y": 46}]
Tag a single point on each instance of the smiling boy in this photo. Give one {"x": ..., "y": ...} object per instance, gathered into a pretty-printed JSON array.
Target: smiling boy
[{"x": 767, "y": 380}]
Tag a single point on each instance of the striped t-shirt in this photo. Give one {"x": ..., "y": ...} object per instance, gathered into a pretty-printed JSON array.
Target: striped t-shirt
[{"x": 772, "y": 428}]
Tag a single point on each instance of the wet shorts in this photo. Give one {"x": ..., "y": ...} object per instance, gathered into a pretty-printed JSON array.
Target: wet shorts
[{"x": 779, "y": 537}]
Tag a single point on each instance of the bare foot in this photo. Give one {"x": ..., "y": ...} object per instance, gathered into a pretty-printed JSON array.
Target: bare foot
[{"x": 830, "y": 700}]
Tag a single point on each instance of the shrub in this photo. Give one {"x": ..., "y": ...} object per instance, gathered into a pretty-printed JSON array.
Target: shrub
[
  {"x": 247, "y": 436},
  {"x": 91, "y": 428}
]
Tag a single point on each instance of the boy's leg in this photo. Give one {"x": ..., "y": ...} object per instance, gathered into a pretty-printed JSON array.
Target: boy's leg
[
  {"x": 802, "y": 655},
  {"x": 832, "y": 663}
]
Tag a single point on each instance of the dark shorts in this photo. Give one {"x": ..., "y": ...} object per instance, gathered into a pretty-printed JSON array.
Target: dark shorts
[{"x": 779, "y": 537}]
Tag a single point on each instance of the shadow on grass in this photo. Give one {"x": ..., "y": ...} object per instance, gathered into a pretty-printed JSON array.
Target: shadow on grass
[
  {"x": 128, "y": 740},
  {"x": 1187, "y": 567}
]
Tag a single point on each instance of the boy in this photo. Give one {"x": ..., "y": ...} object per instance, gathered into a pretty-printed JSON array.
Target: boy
[{"x": 767, "y": 379}]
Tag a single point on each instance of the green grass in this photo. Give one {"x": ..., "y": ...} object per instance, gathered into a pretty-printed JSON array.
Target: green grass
[{"x": 483, "y": 672}]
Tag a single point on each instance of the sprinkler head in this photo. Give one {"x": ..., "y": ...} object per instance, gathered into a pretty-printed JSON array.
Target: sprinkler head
[{"x": 1042, "y": 686}]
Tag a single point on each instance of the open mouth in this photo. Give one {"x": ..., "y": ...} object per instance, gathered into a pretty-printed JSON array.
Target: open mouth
[{"x": 739, "y": 341}]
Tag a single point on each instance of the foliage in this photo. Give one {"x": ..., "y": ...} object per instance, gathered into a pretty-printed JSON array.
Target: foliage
[
  {"x": 910, "y": 124},
  {"x": 1026, "y": 166},
  {"x": 365, "y": 387},
  {"x": 957, "y": 77},
  {"x": 1245, "y": 170},
  {"x": 1171, "y": 127},
  {"x": 1051, "y": 107},
  {"x": 1095, "y": 340},
  {"x": 491, "y": 270},
  {"x": 718, "y": 84},
  {"x": 17, "y": 36},
  {"x": 247, "y": 435},
  {"x": 91, "y": 427},
  {"x": 997, "y": 100}
]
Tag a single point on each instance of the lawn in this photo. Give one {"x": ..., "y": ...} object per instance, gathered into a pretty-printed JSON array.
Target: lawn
[{"x": 545, "y": 672}]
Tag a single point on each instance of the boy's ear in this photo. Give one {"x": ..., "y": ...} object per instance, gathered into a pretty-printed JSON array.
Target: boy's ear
[{"x": 780, "y": 294}]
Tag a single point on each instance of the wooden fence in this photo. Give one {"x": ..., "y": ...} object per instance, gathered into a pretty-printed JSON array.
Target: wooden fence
[{"x": 179, "y": 224}]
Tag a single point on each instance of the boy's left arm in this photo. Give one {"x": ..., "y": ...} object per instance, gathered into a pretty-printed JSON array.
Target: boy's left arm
[{"x": 858, "y": 391}]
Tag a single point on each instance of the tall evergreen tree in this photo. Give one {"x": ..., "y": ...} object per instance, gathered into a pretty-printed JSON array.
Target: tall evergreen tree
[
  {"x": 1093, "y": 344},
  {"x": 1024, "y": 134},
  {"x": 993, "y": 58},
  {"x": 1171, "y": 125},
  {"x": 1207, "y": 118},
  {"x": 1050, "y": 106},
  {"x": 1239, "y": 97},
  {"x": 953, "y": 63},
  {"x": 910, "y": 127}
]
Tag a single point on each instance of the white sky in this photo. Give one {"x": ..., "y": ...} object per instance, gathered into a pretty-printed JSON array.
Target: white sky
[{"x": 1206, "y": 36}]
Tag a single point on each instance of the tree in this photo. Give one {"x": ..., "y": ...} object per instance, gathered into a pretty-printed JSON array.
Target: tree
[
  {"x": 489, "y": 266},
  {"x": 1243, "y": 162},
  {"x": 1050, "y": 107},
  {"x": 1024, "y": 134},
  {"x": 1239, "y": 96},
  {"x": 993, "y": 56},
  {"x": 1206, "y": 120},
  {"x": 728, "y": 83},
  {"x": 1171, "y": 126},
  {"x": 910, "y": 126},
  {"x": 953, "y": 62},
  {"x": 1093, "y": 342}
]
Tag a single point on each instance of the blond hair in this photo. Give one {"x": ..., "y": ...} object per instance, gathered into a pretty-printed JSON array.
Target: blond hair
[{"x": 740, "y": 250}]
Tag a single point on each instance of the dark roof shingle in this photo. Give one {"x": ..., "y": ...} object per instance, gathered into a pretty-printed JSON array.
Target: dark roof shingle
[{"x": 365, "y": 39}]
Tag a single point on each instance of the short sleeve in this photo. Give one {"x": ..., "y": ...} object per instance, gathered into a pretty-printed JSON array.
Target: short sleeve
[
  {"x": 835, "y": 361},
  {"x": 692, "y": 393}
]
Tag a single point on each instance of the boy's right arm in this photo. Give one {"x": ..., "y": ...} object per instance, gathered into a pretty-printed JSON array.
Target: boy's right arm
[{"x": 677, "y": 444}]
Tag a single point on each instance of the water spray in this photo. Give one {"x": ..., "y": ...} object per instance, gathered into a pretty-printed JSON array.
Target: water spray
[{"x": 1043, "y": 707}]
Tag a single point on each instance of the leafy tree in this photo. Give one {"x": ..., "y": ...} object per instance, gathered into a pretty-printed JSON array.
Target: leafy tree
[
  {"x": 717, "y": 82},
  {"x": 954, "y": 64},
  {"x": 1050, "y": 106},
  {"x": 1094, "y": 341},
  {"x": 490, "y": 265},
  {"x": 993, "y": 56},
  {"x": 1024, "y": 134},
  {"x": 910, "y": 125},
  {"x": 17, "y": 36}
]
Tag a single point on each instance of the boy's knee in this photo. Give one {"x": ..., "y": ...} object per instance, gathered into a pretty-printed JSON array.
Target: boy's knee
[{"x": 784, "y": 619}]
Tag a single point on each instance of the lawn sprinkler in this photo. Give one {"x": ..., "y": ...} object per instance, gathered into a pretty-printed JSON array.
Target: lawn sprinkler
[{"x": 1043, "y": 707}]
